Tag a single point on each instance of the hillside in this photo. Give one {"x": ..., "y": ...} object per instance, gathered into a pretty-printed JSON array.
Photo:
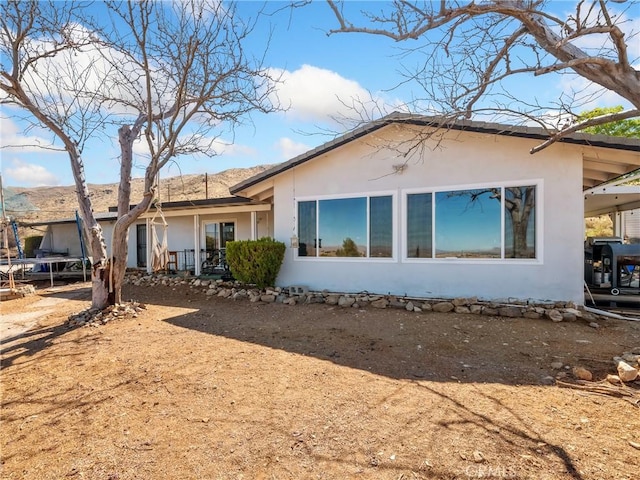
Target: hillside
[{"x": 28, "y": 205}]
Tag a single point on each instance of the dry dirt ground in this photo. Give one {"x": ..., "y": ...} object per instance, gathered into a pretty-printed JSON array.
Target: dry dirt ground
[{"x": 211, "y": 388}]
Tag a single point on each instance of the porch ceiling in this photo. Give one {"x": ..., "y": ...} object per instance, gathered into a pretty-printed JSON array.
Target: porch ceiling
[
  {"x": 603, "y": 165},
  {"x": 611, "y": 198}
]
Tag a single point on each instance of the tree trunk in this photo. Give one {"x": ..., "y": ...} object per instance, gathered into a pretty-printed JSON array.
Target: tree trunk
[
  {"x": 126, "y": 214},
  {"x": 100, "y": 266}
]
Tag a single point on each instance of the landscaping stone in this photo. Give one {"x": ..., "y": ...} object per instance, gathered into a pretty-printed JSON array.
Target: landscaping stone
[
  {"x": 508, "y": 307},
  {"x": 443, "y": 307},
  {"x": 554, "y": 315},
  {"x": 510, "y": 312},
  {"x": 380, "y": 303}
]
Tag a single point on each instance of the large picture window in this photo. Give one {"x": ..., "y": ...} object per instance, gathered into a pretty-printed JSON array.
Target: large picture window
[
  {"x": 346, "y": 227},
  {"x": 493, "y": 222}
]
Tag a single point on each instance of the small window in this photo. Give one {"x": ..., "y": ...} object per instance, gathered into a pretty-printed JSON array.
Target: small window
[
  {"x": 307, "y": 236},
  {"x": 381, "y": 227},
  {"x": 419, "y": 213}
]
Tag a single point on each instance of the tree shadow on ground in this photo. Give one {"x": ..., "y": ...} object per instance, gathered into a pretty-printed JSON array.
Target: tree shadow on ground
[
  {"x": 385, "y": 343},
  {"x": 404, "y": 345},
  {"x": 29, "y": 343}
]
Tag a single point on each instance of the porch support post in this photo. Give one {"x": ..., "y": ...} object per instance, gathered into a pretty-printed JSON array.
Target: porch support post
[
  {"x": 196, "y": 244},
  {"x": 617, "y": 224},
  {"x": 148, "y": 233},
  {"x": 254, "y": 225}
]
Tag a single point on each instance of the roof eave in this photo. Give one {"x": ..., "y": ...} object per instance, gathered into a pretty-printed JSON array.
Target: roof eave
[{"x": 536, "y": 133}]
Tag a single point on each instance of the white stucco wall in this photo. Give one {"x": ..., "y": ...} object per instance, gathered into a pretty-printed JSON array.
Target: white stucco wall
[{"x": 464, "y": 160}]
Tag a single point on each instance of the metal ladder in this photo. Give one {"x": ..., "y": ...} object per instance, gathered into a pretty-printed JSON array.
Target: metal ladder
[{"x": 14, "y": 225}]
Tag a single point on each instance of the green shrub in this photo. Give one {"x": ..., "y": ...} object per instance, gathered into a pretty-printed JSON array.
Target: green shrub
[{"x": 256, "y": 261}]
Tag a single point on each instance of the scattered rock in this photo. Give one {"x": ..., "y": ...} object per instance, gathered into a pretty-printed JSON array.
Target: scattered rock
[
  {"x": 478, "y": 457},
  {"x": 613, "y": 379},
  {"x": 548, "y": 380},
  {"x": 626, "y": 372},
  {"x": 582, "y": 373}
]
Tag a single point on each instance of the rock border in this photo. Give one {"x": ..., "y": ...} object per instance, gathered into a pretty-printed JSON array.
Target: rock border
[{"x": 299, "y": 294}]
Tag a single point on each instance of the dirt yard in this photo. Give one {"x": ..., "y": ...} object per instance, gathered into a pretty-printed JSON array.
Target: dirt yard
[{"x": 200, "y": 387}]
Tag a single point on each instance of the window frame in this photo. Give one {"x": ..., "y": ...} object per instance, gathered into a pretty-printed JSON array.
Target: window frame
[
  {"x": 367, "y": 196},
  {"x": 538, "y": 225}
]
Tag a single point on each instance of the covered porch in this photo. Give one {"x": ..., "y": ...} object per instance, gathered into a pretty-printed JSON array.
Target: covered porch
[{"x": 196, "y": 232}]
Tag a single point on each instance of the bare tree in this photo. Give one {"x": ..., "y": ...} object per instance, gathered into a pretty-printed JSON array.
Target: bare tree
[
  {"x": 473, "y": 50},
  {"x": 172, "y": 75}
]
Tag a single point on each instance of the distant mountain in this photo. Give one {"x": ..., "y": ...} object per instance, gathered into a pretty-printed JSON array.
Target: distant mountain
[{"x": 54, "y": 203}]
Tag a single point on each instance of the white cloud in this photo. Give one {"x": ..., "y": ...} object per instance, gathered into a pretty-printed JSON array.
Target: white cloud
[
  {"x": 582, "y": 94},
  {"x": 318, "y": 95},
  {"x": 13, "y": 140},
  {"x": 289, "y": 148},
  {"x": 29, "y": 174}
]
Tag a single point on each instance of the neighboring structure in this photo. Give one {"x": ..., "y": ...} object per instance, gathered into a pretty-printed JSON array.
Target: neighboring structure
[{"x": 467, "y": 211}]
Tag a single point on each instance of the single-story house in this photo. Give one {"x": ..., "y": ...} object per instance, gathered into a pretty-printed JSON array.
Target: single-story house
[{"x": 407, "y": 206}]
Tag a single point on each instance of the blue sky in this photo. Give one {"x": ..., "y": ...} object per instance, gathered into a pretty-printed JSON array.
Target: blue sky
[{"x": 320, "y": 73}]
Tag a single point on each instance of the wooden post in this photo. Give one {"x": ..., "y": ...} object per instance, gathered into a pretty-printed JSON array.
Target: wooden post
[{"x": 5, "y": 226}]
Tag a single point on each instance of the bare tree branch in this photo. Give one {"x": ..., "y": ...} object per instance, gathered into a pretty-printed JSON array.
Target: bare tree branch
[
  {"x": 471, "y": 48},
  {"x": 172, "y": 74},
  {"x": 592, "y": 122}
]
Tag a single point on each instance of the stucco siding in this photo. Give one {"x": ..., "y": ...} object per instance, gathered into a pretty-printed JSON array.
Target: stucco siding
[{"x": 462, "y": 160}]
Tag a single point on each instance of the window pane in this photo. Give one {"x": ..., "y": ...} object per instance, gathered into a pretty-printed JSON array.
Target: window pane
[
  {"x": 380, "y": 227},
  {"x": 468, "y": 224},
  {"x": 307, "y": 229},
  {"x": 211, "y": 236},
  {"x": 343, "y": 227},
  {"x": 520, "y": 222},
  {"x": 419, "y": 220}
]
